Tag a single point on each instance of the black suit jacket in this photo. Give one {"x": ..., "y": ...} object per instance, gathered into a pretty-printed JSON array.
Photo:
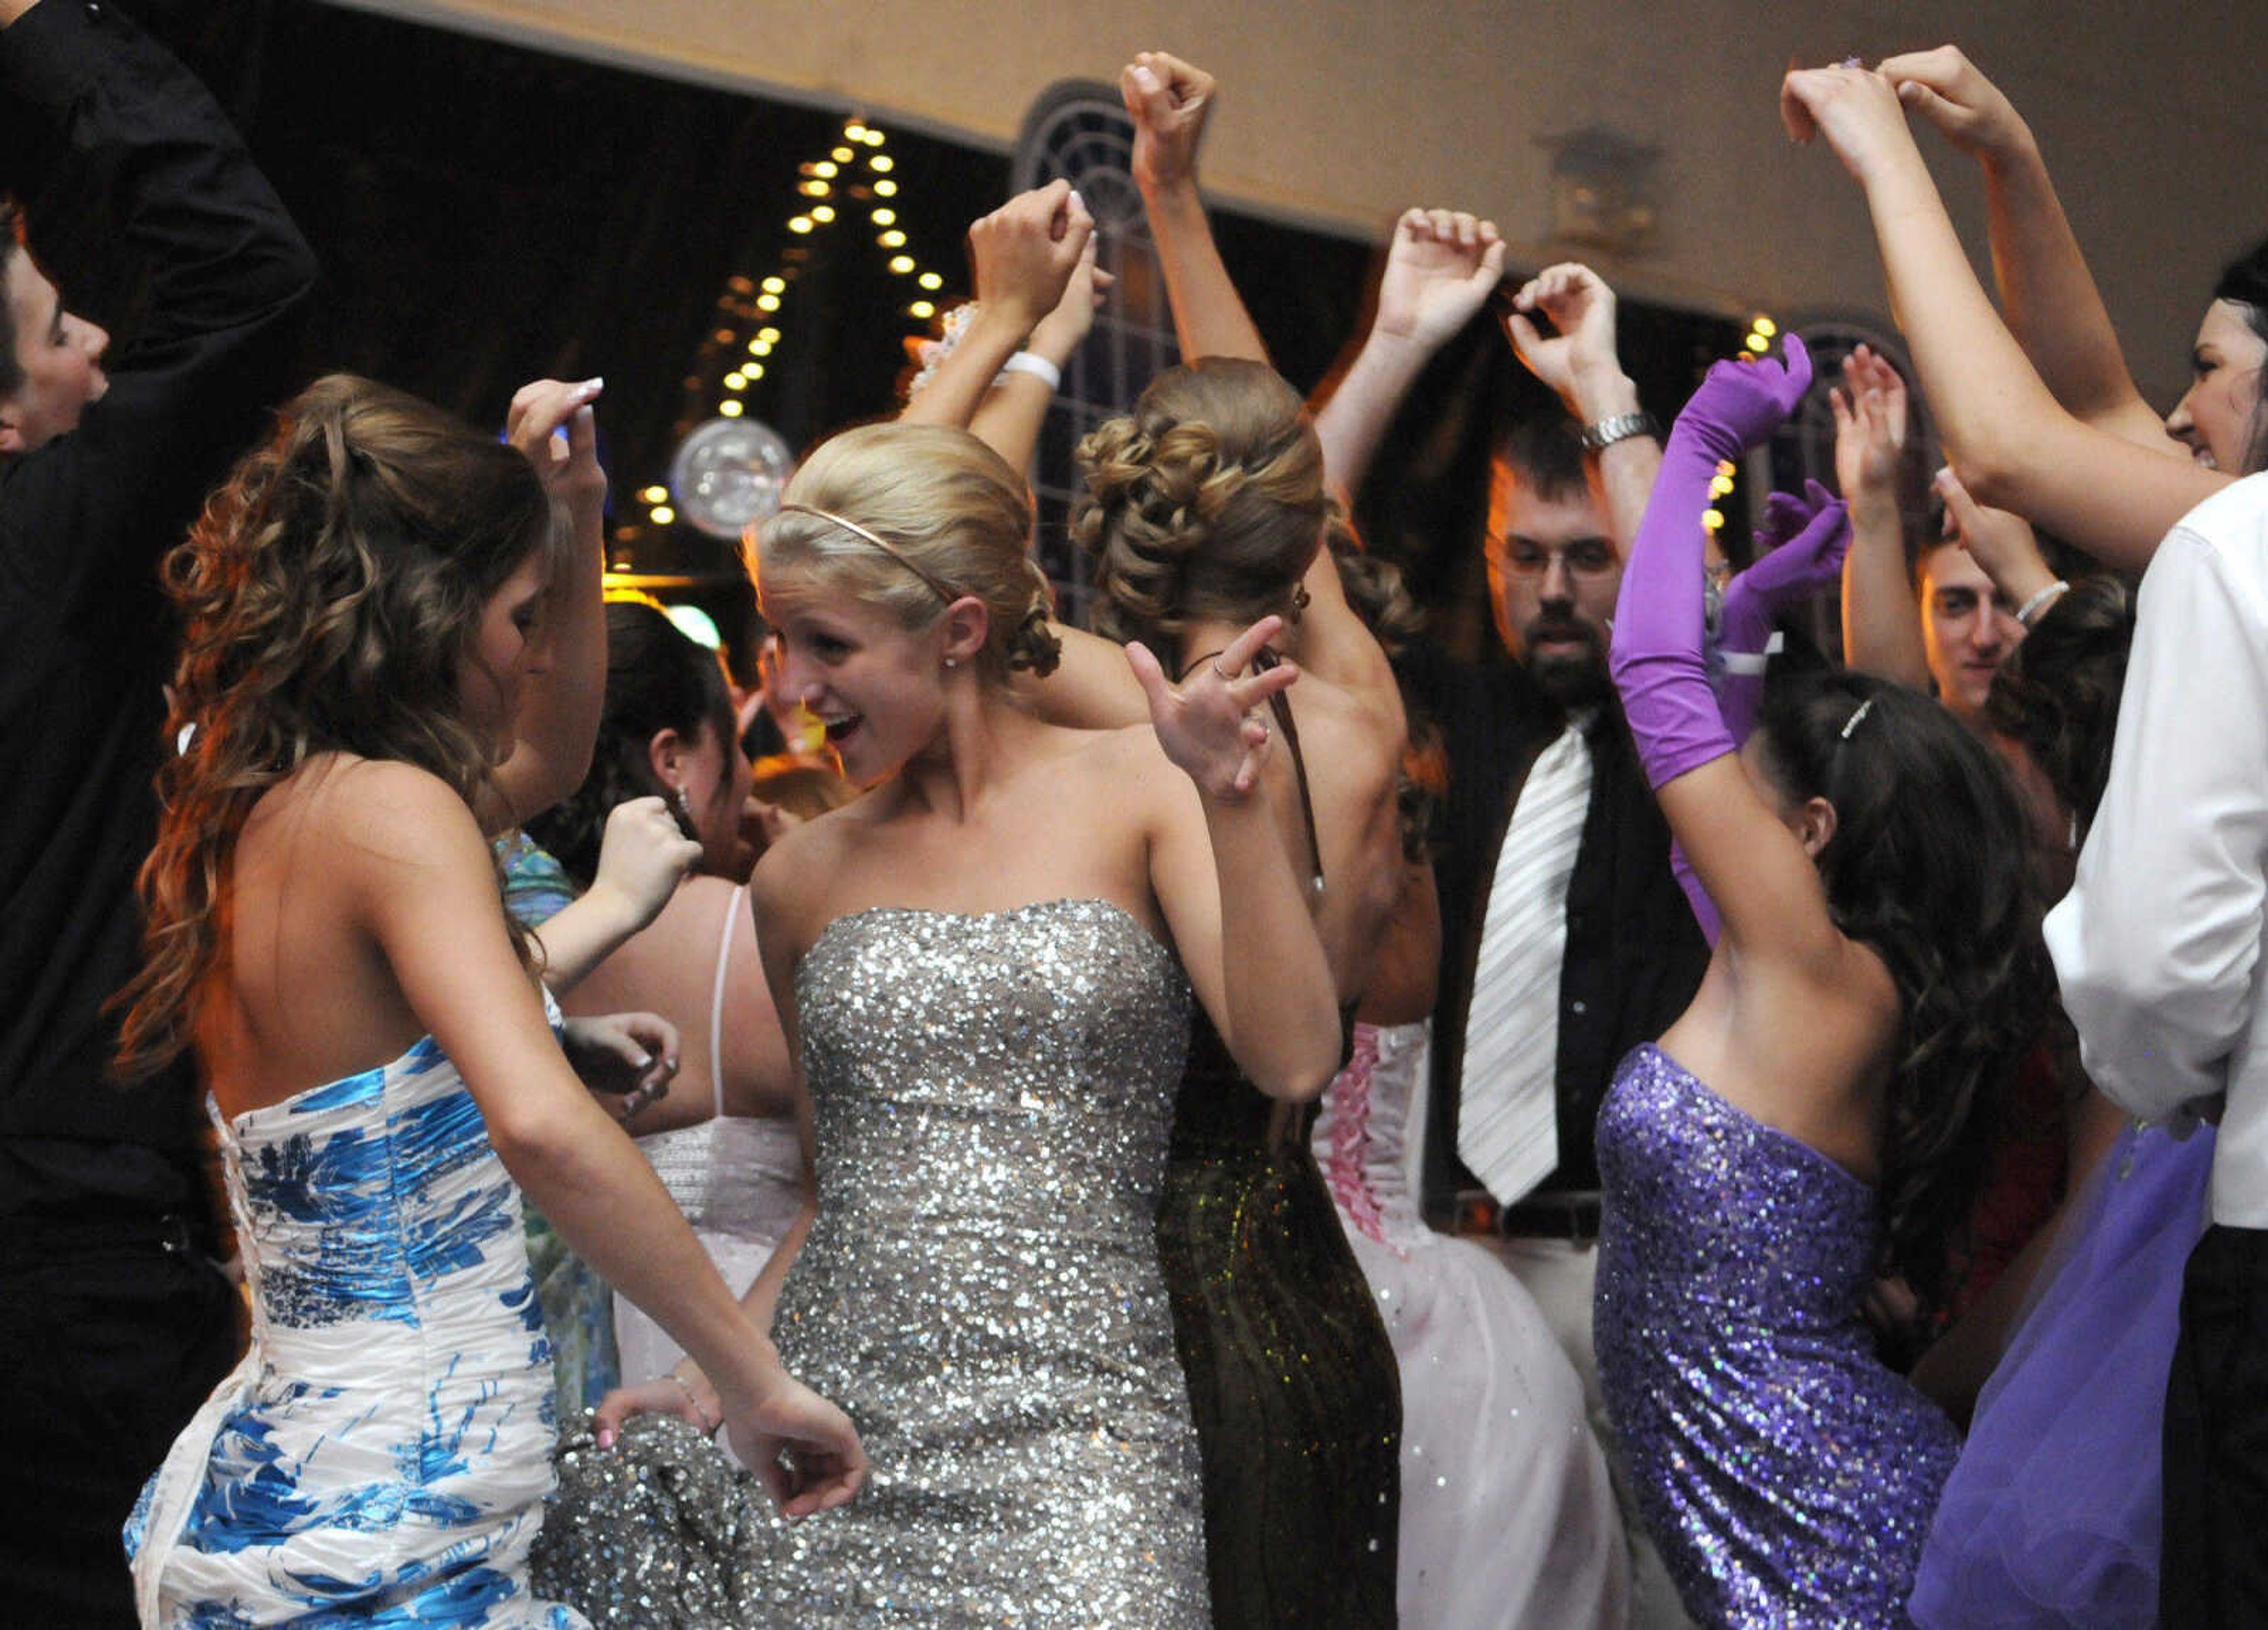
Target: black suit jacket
[{"x": 1634, "y": 953}]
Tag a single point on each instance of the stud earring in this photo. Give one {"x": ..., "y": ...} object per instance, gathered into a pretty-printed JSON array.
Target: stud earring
[{"x": 953, "y": 661}]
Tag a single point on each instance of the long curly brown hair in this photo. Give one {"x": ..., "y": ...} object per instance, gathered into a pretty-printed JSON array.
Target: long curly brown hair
[{"x": 327, "y": 596}]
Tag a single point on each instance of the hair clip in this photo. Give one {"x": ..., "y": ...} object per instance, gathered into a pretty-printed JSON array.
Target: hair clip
[{"x": 1853, "y": 723}]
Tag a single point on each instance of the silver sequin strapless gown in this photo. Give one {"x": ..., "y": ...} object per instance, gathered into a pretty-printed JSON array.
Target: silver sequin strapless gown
[{"x": 981, "y": 1289}]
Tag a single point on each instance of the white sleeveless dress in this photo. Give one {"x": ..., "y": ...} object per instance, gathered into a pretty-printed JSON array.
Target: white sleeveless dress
[
  {"x": 1507, "y": 1515},
  {"x": 382, "y": 1453},
  {"x": 738, "y": 1178}
]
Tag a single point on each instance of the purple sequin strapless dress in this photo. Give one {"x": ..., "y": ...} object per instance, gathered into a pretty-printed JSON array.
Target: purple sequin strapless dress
[{"x": 1788, "y": 1476}]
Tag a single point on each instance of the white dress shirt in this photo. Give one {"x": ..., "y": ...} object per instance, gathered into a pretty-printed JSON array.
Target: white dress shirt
[{"x": 2158, "y": 946}]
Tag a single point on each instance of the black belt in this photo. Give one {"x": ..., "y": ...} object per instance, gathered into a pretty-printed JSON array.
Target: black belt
[{"x": 1571, "y": 1214}]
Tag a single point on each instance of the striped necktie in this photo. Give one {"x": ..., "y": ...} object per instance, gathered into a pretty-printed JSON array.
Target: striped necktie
[{"x": 1507, "y": 1120}]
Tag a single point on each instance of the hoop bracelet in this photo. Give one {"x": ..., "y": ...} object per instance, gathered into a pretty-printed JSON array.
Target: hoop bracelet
[
  {"x": 1039, "y": 367},
  {"x": 2040, "y": 601}
]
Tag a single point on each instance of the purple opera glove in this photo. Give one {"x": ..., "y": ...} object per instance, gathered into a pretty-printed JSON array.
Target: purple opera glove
[
  {"x": 1656, "y": 656},
  {"x": 1800, "y": 548},
  {"x": 1803, "y": 541}
]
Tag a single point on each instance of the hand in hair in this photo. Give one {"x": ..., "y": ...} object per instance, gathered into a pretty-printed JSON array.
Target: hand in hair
[
  {"x": 1969, "y": 110},
  {"x": 1580, "y": 307},
  {"x": 2002, "y": 545},
  {"x": 1169, "y": 101},
  {"x": 1440, "y": 269},
  {"x": 1210, "y": 725},
  {"x": 642, "y": 856}
]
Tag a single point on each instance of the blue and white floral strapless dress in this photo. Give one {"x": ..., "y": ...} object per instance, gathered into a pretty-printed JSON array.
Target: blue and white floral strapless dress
[{"x": 382, "y": 1453}]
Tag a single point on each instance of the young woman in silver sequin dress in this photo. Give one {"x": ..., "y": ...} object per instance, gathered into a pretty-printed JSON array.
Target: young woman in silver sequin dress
[{"x": 988, "y": 964}]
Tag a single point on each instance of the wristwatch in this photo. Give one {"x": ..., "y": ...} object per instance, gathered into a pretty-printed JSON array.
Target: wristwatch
[{"x": 1620, "y": 427}]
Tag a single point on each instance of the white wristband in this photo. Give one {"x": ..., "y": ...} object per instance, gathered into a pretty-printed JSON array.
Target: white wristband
[
  {"x": 2040, "y": 601},
  {"x": 1038, "y": 367}
]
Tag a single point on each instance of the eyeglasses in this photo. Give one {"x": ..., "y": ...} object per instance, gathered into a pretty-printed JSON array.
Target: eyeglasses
[{"x": 1585, "y": 557}]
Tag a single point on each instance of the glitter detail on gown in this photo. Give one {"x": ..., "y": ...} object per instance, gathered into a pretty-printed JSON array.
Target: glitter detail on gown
[
  {"x": 382, "y": 1455},
  {"x": 981, "y": 1290},
  {"x": 1788, "y": 1476},
  {"x": 1507, "y": 1516},
  {"x": 1294, "y": 1382}
]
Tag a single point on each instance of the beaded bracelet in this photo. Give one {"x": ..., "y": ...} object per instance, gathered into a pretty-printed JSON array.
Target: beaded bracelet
[{"x": 707, "y": 1426}]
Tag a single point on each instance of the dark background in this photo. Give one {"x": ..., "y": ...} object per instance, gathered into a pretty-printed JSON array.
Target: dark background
[{"x": 487, "y": 214}]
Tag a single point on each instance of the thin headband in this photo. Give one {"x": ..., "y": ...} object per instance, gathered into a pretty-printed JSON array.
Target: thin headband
[{"x": 889, "y": 548}]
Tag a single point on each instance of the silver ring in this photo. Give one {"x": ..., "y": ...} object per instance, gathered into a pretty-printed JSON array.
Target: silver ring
[{"x": 1220, "y": 672}]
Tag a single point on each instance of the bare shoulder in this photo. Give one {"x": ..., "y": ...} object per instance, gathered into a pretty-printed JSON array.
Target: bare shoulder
[
  {"x": 788, "y": 889},
  {"x": 370, "y": 819}
]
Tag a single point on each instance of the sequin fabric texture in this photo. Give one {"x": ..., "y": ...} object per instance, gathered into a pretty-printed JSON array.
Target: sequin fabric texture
[
  {"x": 1788, "y": 1477},
  {"x": 981, "y": 1289},
  {"x": 382, "y": 1455}
]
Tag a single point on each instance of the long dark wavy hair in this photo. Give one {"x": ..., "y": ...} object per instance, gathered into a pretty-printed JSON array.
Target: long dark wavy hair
[
  {"x": 2244, "y": 282},
  {"x": 656, "y": 680},
  {"x": 327, "y": 594},
  {"x": 2058, "y": 694},
  {"x": 1930, "y": 866}
]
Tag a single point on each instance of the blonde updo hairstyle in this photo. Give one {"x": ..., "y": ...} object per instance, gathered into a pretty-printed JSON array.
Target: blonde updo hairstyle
[
  {"x": 942, "y": 500},
  {"x": 1206, "y": 501}
]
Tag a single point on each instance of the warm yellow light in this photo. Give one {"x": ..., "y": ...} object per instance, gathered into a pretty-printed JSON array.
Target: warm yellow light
[
  {"x": 801, "y": 224},
  {"x": 841, "y": 155},
  {"x": 902, "y": 264},
  {"x": 760, "y": 347},
  {"x": 753, "y": 371},
  {"x": 873, "y": 138},
  {"x": 855, "y": 131},
  {"x": 886, "y": 189},
  {"x": 1711, "y": 518},
  {"x": 769, "y": 336},
  {"x": 921, "y": 308},
  {"x": 773, "y": 285},
  {"x": 824, "y": 212},
  {"x": 891, "y": 239},
  {"x": 1723, "y": 466},
  {"x": 767, "y": 302},
  {"x": 880, "y": 162},
  {"x": 1765, "y": 326},
  {"x": 931, "y": 280},
  {"x": 1757, "y": 344},
  {"x": 730, "y": 409},
  {"x": 736, "y": 380},
  {"x": 662, "y": 514},
  {"x": 655, "y": 495},
  {"x": 886, "y": 217},
  {"x": 1720, "y": 485},
  {"x": 824, "y": 169}
]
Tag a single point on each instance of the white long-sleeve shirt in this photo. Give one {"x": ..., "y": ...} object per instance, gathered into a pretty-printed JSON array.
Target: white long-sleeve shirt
[{"x": 2158, "y": 947}]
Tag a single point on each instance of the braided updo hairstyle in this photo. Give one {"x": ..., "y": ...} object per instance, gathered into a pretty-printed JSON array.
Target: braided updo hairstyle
[
  {"x": 1207, "y": 501},
  {"x": 941, "y": 499}
]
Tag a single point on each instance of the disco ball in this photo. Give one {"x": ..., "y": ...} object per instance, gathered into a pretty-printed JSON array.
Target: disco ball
[{"x": 729, "y": 474}]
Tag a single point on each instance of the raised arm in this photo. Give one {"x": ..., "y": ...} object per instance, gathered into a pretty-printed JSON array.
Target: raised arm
[
  {"x": 2003, "y": 547},
  {"x": 1441, "y": 269},
  {"x": 2047, "y": 293},
  {"x": 99, "y": 124},
  {"x": 1581, "y": 364},
  {"x": 1763, "y": 882},
  {"x": 423, "y": 890},
  {"x": 1170, "y": 101},
  {"x": 1882, "y": 621},
  {"x": 558, "y": 722},
  {"x": 1014, "y": 411},
  {"x": 2016, "y": 444},
  {"x": 2157, "y": 945},
  {"x": 1238, "y": 906},
  {"x": 1021, "y": 257}
]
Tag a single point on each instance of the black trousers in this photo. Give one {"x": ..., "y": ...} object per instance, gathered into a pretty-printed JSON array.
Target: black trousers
[
  {"x": 2214, "y": 1570},
  {"x": 110, "y": 1339}
]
